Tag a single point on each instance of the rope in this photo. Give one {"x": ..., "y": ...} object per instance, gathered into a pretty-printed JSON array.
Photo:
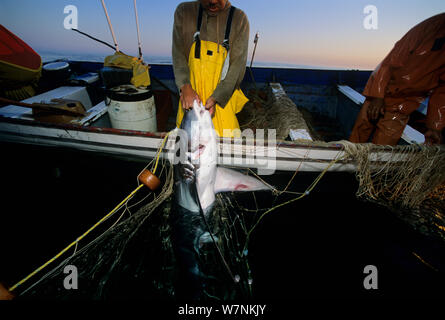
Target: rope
[
  {"x": 111, "y": 27},
  {"x": 402, "y": 175},
  {"x": 159, "y": 152},
  {"x": 95, "y": 39}
]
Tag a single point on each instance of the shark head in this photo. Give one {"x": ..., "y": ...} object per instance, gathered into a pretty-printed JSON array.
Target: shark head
[
  {"x": 201, "y": 136},
  {"x": 199, "y": 167}
]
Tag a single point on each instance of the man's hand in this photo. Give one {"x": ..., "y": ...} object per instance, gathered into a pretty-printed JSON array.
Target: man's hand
[
  {"x": 376, "y": 109},
  {"x": 188, "y": 95},
  {"x": 433, "y": 136},
  {"x": 211, "y": 105}
]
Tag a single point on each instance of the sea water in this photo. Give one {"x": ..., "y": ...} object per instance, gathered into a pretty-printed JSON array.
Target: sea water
[
  {"x": 156, "y": 59},
  {"x": 319, "y": 246}
]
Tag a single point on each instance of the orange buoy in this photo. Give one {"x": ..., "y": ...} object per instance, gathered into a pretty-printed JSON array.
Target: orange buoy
[
  {"x": 5, "y": 294},
  {"x": 149, "y": 179}
]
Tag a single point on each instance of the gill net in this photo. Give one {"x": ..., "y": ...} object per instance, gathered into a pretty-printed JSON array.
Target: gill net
[
  {"x": 133, "y": 259},
  {"x": 408, "y": 180}
]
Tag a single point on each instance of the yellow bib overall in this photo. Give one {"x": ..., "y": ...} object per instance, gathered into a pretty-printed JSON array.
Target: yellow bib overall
[{"x": 206, "y": 67}]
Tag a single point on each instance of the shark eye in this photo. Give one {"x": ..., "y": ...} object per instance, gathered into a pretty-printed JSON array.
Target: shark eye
[{"x": 200, "y": 149}]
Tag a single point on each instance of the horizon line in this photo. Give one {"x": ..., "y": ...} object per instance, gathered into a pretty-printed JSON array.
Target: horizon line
[{"x": 147, "y": 57}]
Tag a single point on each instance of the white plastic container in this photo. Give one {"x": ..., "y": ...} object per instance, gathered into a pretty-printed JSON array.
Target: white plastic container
[{"x": 131, "y": 108}]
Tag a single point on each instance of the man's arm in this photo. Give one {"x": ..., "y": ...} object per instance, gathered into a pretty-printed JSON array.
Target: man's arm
[
  {"x": 179, "y": 56},
  {"x": 435, "y": 117},
  {"x": 375, "y": 89},
  {"x": 180, "y": 64},
  {"x": 379, "y": 79}
]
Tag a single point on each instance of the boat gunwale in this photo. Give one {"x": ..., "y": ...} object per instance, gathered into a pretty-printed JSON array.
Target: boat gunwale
[
  {"x": 336, "y": 145},
  {"x": 158, "y": 135},
  {"x": 75, "y": 127}
]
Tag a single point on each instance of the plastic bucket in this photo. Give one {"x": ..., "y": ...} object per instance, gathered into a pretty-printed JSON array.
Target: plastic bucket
[{"x": 131, "y": 108}]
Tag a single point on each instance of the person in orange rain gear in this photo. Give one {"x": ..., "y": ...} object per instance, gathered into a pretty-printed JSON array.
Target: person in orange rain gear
[
  {"x": 210, "y": 42},
  {"x": 412, "y": 71}
]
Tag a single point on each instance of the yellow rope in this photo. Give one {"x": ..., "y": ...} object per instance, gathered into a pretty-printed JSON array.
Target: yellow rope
[
  {"x": 93, "y": 227},
  {"x": 159, "y": 152}
]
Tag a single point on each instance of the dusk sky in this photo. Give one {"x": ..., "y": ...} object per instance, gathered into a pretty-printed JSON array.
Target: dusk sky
[{"x": 325, "y": 33}]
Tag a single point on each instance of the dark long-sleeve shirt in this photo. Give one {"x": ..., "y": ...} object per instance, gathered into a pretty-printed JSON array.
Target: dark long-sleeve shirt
[{"x": 212, "y": 29}]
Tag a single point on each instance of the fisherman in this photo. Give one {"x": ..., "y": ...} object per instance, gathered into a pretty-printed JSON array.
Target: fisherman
[
  {"x": 411, "y": 72},
  {"x": 210, "y": 42}
]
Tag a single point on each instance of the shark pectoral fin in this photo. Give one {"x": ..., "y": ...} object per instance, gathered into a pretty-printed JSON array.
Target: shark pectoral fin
[{"x": 230, "y": 180}]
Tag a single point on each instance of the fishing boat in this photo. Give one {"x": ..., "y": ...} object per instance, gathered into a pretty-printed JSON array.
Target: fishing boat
[
  {"x": 331, "y": 94},
  {"x": 20, "y": 66}
]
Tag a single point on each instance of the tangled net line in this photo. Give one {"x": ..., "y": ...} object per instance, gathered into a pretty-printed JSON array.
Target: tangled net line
[
  {"x": 408, "y": 180},
  {"x": 405, "y": 175}
]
